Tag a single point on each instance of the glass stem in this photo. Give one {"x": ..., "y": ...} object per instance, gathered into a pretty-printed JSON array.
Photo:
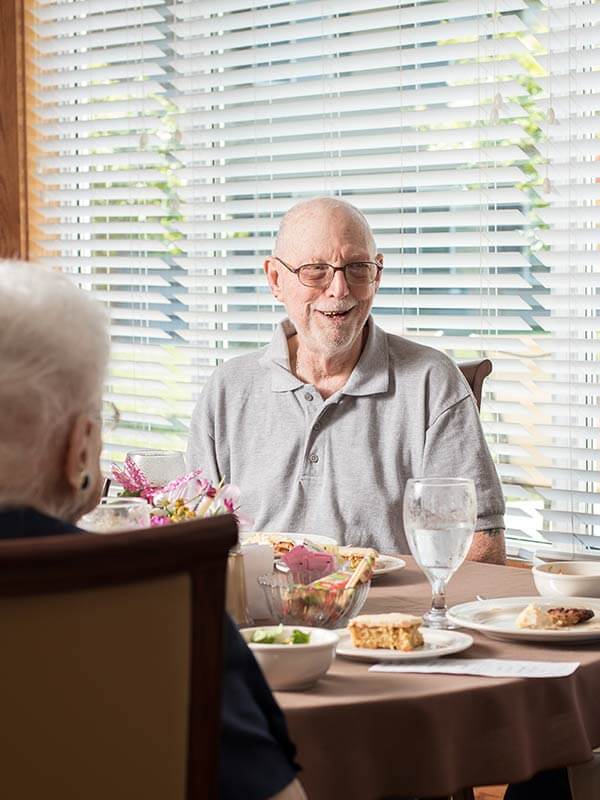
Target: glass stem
[{"x": 438, "y": 597}]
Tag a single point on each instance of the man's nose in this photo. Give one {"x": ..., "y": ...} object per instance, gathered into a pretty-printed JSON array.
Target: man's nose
[{"x": 338, "y": 286}]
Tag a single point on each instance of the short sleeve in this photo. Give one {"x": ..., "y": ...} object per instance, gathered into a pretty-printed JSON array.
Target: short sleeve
[
  {"x": 201, "y": 449},
  {"x": 455, "y": 447}
]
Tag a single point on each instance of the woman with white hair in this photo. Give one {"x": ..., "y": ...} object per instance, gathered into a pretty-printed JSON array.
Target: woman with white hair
[{"x": 53, "y": 355}]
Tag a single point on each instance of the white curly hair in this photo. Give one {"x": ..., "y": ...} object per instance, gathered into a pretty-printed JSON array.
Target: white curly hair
[{"x": 53, "y": 355}]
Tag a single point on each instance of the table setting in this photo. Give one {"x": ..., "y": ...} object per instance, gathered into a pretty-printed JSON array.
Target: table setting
[
  {"x": 482, "y": 700},
  {"x": 435, "y": 673},
  {"x": 431, "y": 733}
]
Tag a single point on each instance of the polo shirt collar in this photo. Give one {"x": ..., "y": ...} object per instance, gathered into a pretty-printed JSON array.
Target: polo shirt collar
[
  {"x": 369, "y": 376},
  {"x": 277, "y": 358}
]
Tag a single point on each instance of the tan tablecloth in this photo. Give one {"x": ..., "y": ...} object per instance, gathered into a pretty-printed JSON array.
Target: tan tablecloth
[{"x": 362, "y": 735}]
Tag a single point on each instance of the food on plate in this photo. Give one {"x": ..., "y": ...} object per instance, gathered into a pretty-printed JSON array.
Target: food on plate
[
  {"x": 394, "y": 631},
  {"x": 569, "y": 616},
  {"x": 354, "y": 555},
  {"x": 279, "y": 636},
  {"x": 281, "y": 544},
  {"x": 534, "y": 616}
]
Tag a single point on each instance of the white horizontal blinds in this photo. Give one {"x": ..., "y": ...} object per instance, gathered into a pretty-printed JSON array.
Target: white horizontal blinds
[
  {"x": 105, "y": 195},
  {"x": 565, "y": 384},
  {"x": 374, "y": 101},
  {"x": 420, "y": 114},
  {"x": 174, "y": 135}
]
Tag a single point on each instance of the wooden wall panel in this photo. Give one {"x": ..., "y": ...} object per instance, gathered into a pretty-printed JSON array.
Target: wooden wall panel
[{"x": 13, "y": 177}]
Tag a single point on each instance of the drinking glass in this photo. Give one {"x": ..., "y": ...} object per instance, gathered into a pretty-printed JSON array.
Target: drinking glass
[
  {"x": 439, "y": 522},
  {"x": 114, "y": 514},
  {"x": 159, "y": 466}
]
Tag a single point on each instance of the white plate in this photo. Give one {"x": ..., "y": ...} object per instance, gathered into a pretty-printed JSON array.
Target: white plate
[
  {"x": 387, "y": 564},
  {"x": 497, "y": 619},
  {"x": 266, "y": 537},
  {"x": 437, "y": 643}
]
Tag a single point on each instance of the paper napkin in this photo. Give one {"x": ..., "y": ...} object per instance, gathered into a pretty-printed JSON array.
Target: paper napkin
[{"x": 489, "y": 667}]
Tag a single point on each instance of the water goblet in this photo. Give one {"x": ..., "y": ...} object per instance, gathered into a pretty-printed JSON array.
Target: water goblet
[
  {"x": 159, "y": 466},
  {"x": 115, "y": 514},
  {"x": 439, "y": 522}
]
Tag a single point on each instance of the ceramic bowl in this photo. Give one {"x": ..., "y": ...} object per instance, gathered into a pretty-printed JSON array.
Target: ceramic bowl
[
  {"x": 550, "y": 556},
  {"x": 294, "y": 666},
  {"x": 568, "y": 578}
]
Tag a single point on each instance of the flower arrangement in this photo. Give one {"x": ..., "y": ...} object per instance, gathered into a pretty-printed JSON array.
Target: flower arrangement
[{"x": 187, "y": 497}]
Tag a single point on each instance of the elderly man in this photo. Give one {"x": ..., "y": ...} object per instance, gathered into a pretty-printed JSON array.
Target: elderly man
[{"x": 322, "y": 428}]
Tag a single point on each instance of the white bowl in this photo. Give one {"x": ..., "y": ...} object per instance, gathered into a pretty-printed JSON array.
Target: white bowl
[
  {"x": 294, "y": 666},
  {"x": 568, "y": 578}
]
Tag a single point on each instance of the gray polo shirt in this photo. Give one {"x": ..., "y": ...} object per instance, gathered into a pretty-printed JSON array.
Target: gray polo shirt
[{"x": 338, "y": 466}]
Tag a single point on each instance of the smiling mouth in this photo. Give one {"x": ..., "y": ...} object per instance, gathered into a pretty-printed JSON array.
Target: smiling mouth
[{"x": 334, "y": 314}]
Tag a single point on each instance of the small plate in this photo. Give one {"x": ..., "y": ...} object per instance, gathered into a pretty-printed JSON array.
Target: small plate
[
  {"x": 387, "y": 564},
  {"x": 268, "y": 537},
  {"x": 496, "y": 618},
  {"x": 437, "y": 643}
]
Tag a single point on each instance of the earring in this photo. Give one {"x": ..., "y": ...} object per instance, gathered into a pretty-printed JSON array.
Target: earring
[{"x": 85, "y": 481}]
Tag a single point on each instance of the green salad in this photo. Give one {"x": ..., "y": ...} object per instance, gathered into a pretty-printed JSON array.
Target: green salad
[{"x": 277, "y": 636}]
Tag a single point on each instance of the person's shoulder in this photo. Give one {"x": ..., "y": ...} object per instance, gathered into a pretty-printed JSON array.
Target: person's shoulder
[
  {"x": 429, "y": 373},
  {"x": 238, "y": 370},
  {"x": 421, "y": 358}
]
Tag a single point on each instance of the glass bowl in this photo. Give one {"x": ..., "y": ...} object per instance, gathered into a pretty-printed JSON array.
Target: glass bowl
[{"x": 294, "y": 602}]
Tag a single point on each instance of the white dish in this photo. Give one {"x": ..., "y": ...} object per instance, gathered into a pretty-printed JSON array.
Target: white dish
[
  {"x": 496, "y": 618},
  {"x": 568, "y": 578},
  {"x": 289, "y": 667},
  {"x": 437, "y": 643},
  {"x": 549, "y": 556},
  {"x": 268, "y": 537},
  {"x": 387, "y": 564}
]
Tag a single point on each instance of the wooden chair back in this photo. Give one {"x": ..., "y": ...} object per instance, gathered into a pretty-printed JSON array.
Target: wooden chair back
[
  {"x": 111, "y": 663},
  {"x": 475, "y": 373}
]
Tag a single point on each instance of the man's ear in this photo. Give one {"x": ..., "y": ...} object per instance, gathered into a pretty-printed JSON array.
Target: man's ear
[
  {"x": 379, "y": 260},
  {"x": 271, "y": 269},
  {"x": 79, "y": 460}
]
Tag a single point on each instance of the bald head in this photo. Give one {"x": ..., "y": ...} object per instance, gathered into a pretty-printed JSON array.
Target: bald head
[{"x": 319, "y": 214}]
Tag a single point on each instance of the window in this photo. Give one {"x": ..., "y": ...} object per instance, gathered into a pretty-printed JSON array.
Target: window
[{"x": 171, "y": 138}]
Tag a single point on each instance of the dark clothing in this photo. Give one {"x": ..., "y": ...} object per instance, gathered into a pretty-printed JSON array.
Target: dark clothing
[
  {"x": 257, "y": 756},
  {"x": 552, "y": 784},
  {"x": 25, "y": 523}
]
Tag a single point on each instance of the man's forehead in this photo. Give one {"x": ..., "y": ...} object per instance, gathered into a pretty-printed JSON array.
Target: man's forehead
[{"x": 321, "y": 232}]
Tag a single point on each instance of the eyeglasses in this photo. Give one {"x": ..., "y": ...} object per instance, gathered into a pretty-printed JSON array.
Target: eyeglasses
[
  {"x": 111, "y": 416},
  {"x": 356, "y": 273}
]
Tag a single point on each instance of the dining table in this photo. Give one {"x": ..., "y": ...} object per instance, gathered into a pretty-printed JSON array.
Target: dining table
[{"x": 364, "y": 735}]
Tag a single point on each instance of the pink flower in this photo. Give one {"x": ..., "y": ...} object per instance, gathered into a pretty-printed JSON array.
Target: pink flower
[
  {"x": 132, "y": 479},
  {"x": 189, "y": 493},
  {"x": 186, "y": 488},
  {"x": 156, "y": 521}
]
